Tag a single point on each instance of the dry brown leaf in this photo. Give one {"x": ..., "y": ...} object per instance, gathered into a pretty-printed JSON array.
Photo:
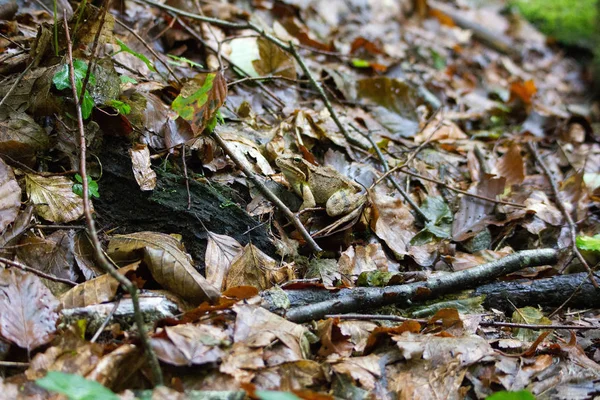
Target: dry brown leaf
[
  {"x": 191, "y": 344},
  {"x": 27, "y": 309},
  {"x": 84, "y": 256},
  {"x": 474, "y": 214},
  {"x": 142, "y": 168},
  {"x": 70, "y": 353},
  {"x": 21, "y": 138},
  {"x": 95, "y": 291},
  {"x": 252, "y": 267},
  {"x": 296, "y": 375},
  {"x": 512, "y": 166},
  {"x": 365, "y": 370},
  {"x": 168, "y": 263},
  {"x": 54, "y": 198},
  {"x": 332, "y": 340},
  {"x": 115, "y": 369},
  {"x": 273, "y": 61},
  {"x": 220, "y": 251},
  {"x": 393, "y": 223},
  {"x": 10, "y": 196},
  {"x": 53, "y": 254}
]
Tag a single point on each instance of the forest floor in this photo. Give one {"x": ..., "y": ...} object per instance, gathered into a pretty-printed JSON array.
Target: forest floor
[{"x": 295, "y": 200}]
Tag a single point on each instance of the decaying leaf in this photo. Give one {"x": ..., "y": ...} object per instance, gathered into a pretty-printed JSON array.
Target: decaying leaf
[
  {"x": 200, "y": 99},
  {"x": 21, "y": 138},
  {"x": 220, "y": 251},
  {"x": 512, "y": 166},
  {"x": 252, "y": 267},
  {"x": 54, "y": 198},
  {"x": 27, "y": 309},
  {"x": 53, "y": 254},
  {"x": 168, "y": 263},
  {"x": 10, "y": 196},
  {"x": 142, "y": 168}
]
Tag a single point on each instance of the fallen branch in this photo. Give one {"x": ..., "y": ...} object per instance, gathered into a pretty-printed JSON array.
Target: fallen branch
[{"x": 323, "y": 302}]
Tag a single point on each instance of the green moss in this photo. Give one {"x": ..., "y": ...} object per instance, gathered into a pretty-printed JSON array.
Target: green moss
[{"x": 569, "y": 21}]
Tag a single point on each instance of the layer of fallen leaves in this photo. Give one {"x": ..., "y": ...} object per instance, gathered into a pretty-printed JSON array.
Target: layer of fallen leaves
[{"x": 453, "y": 116}]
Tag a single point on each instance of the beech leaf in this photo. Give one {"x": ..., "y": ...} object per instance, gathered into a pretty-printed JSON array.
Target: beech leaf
[{"x": 54, "y": 198}]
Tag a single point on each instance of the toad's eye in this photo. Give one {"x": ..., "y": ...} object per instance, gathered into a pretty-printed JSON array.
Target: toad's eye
[{"x": 297, "y": 160}]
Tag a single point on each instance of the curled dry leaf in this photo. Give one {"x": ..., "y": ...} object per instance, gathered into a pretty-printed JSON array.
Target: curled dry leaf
[
  {"x": 54, "y": 198},
  {"x": 220, "y": 252},
  {"x": 168, "y": 263},
  {"x": 10, "y": 196},
  {"x": 95, "y": 291},
  {"x": 27, "y": 309},
  {"x": 252, "y": 267},
  {"x": 142, "y": 168}
]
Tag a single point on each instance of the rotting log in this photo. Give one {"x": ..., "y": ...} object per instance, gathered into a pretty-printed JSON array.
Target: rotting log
[{"x": 122, "y": 205}]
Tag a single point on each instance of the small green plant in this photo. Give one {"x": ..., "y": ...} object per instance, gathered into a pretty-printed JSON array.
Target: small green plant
[
  {"x": 121, "y": 107},
  {"x": 62, "y": 81},
  {"x": 504, "y": 395},
  {"x": 181, "y": 61},
  {"x": 126, "y": 49},
  {"x": 92, "y": 186},
  {"x": 75, "y": 387},
  {"x": 589, "y": 243}
]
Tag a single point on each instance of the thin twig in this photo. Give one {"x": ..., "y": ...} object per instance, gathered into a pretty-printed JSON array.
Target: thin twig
[
  {"x": 14, "y": 364},
  {"x": 187, "y": 178},
  {"x": 93, "y": 235},
  {"x": 36, "y": 272},
  {"x": 94, "y": 57},
  {"x": 241, "y": 164},
  {"x": 371, "y": 317},
  {"x": 561, "y": 205},
  {"x": 106, "y": 321},
  {"x": 16, "y": 83},
  {"x": 390, "y": 178},
  {"x": 151, "y": 50}
]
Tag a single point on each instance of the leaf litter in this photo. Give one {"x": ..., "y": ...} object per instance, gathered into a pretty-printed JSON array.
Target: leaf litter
[{"x": 424, "y": 98}]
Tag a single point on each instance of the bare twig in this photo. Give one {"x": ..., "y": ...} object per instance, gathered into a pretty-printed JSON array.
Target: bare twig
[
  {"x": 151, "y": 50},
  {"x": 93, "y": 235},
  {"x": 36, "y": 272},
  {"x": 92, "y": 63},
  {"x": 106, "y": 321},
  {"x": 396, "y": 318},
  {"x": 14, "y": 364},
  {"x": 390, "y": 178},
  {"x": 16, "y": 83},
  {"x": 354, "y": 299},
  {"x": 561, "y": 205},
  {"x": 241, "y": 164}
]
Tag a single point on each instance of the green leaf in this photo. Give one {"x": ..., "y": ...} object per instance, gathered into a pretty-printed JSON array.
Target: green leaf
[
  {"x": 180, "y": 61},
  {"x": 590, "y": 243},
  {"x": 359, "y": 63},
  {"x": 504, "y": 395},
  {"x": 439, "y": 62},
  {"x": 62, "y": 80},
  {"x": 142, "y": 57},
  {"x": 440, "y": 224},
  {"x": 274, "y": 395},
  {"x": 75, "y": 387},
  {"x": 92, "y": 187},
  {"x": 184, "y": 106},
  {"x": 121, "y": 107},
  {"x": 127, "y": 79}
]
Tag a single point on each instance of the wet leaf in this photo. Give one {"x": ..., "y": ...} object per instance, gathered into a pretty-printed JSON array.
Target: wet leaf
[
  {"x": 54, "y": 198},
  {"x": 27, "y": 309},
  {"x": 170, "y": 266},
  {"x": 200, "y": 99},
  {"x": 53, "y": 254},
  {"x": 21, "y": 138}
]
